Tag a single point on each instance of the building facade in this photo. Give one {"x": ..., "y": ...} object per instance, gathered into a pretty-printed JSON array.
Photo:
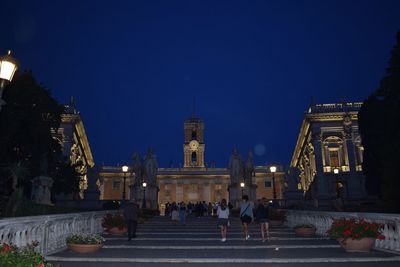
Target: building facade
[
  {"x": 194, "y": 181},
  {"x": 329, "y": 152}
]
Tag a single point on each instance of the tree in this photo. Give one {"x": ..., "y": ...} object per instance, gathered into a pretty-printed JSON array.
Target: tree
[
  {"x": 28, "y": 123},
  {"x": 379, "y": 124}
]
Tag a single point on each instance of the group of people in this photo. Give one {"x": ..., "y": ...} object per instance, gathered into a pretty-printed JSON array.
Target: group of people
[
  {"x": 198, "y": 209},
  {"x": 178, "y": 213},
  {"x": 248, "y": 214}
]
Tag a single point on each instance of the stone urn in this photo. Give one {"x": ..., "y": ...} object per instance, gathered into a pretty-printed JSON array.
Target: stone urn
[
  {"x": 117, "y": 231},
  {"x": 84, "y": 248},
  {"x": 305, "y": 231},
  {"x": 364, "y": 244}
]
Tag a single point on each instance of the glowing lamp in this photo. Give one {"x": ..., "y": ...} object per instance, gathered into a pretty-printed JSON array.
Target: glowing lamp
[
  {"x": 272, "y": 169},
  {"x": 125, "y": 168},
  {"x": 8, "y": 66}
]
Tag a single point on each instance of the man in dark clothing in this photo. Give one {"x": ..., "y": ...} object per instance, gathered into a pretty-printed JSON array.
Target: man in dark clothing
[{"x": 130, "y": 210}]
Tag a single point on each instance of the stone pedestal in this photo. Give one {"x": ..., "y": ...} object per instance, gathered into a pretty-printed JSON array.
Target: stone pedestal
[
  {"x": 137, "y": 193},
  {"x": 293, "y": 197},
  {"x": 235, "y": 196},
  {"x": 235, "y": 193}
]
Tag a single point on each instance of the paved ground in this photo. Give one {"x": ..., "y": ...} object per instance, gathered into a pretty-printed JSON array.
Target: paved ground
[{"x": 159, "y": 243}]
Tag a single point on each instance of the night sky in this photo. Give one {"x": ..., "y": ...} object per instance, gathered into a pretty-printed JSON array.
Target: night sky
[{"x": 134, "y": 67}]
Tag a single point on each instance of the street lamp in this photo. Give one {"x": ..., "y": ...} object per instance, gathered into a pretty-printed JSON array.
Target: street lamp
[
  {"x": 273, "y": 170},
  {"x": 242, "y": 186},
  {"x": 8, "y": 66},
  {"x": 336, "y": 172},
  {"x": 125, "y": 171},
  {"x": 144, "y": 184}
]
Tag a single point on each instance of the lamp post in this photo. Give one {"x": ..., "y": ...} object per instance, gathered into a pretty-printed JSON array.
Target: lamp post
[
  {"x": 242, "y": 186},
  {"x": 336, "y": 172},
  {"x": 144, "y": 184},
  {"x": 273, "y": 170},
  {"x": 8, "y": 66},
  {"x": 125, "y": 171}
]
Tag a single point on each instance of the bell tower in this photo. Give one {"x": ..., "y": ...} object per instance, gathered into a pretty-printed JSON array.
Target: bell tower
[{"x": 193, "y": 146}]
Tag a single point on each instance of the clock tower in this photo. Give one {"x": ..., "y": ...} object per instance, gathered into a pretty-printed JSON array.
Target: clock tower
[{"x": 193, "y": 147}]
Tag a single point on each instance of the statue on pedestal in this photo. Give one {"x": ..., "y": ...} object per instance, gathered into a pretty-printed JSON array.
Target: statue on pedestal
[
  {"x": 249, "y": 168},
  {"x": 137, "y": 167},
  {"x": 235, "y": 167},
  {"x": 150, "y": 167}
]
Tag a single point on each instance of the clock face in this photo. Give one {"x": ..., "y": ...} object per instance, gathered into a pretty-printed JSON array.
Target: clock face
[{"x": 194, "y": 145}]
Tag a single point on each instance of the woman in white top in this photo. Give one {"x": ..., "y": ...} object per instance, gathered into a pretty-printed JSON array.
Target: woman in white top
[{"x": 223, "y": 218}]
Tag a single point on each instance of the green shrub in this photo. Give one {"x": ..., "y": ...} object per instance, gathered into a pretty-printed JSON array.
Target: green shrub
[{"x": 87, "y": 239}]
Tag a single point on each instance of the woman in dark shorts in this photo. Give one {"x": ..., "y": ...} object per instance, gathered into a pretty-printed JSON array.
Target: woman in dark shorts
[
  {"x": 262, "y": 218},
  {"x": 246, "y": 215},
  {"x": 223, "y": 218}
]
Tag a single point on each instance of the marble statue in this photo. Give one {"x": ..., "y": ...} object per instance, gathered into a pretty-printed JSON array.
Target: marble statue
[
  {"x": 249, "y": 168},
  {"x": 150, "y": 167},
  {"x": 137, "y": 167},
  {"x": 235, "y": 167},
  {"x": 41, "y": 190}
]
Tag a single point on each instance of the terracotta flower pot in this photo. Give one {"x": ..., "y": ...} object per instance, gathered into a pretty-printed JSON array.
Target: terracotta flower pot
[
  {"x": 275, "y": 223},
  {"x": 84, "y": 248},
  {"x": 304, "y": 231},
  {"x": 353, "y": 245},
  {"x": 117, "y": 231}
]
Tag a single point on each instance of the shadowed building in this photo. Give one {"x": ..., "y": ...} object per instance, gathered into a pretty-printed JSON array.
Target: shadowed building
[
  {"x": 75, "y": 145},
  {"x": 329, "y": 152}
]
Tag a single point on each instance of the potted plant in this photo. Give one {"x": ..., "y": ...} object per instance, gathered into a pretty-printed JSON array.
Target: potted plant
[
  {"x": 304, "y": 230},
  {"x": 114, "y": 223},
  {"x": 276, "y": 217},
  {"x": 84, "y": 243},
  {"x": 11, "y": 256},
  {"x": 355, "y": 235}
]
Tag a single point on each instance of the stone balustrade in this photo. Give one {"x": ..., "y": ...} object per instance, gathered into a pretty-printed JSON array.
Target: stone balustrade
[
  {"x": 323, "y": 220},
  {"x": 50, "y": 231}
]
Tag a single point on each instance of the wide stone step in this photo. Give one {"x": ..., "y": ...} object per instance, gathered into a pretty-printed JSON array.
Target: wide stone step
[{"x": 198, "y": 243}]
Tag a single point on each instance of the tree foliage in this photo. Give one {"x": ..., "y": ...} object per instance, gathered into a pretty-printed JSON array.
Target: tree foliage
[
  {"x": 379, "y": 121},
  {"x": 28, "y": 123}
]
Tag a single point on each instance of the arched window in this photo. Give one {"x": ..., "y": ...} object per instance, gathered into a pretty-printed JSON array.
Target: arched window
[
  {"x": 334, "y": 153},
  {"x": 194, "y": 158},
  {"x": 194, "y": 134}
]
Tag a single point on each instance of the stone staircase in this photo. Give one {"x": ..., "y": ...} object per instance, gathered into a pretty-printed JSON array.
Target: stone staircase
[{"x": 160, "y": 243}]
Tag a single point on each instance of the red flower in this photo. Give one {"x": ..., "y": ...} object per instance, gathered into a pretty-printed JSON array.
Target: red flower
[
  {"x": 6, "y": 248},
  {"x": 381, "y": 237},
  {"x": 347, "y": 232},
  {"x": 40, "y": 265}
]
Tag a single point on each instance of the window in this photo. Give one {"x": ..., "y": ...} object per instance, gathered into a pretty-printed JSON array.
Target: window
[
  {"x": 194, "y": 135},
  {"x": 194, "y": 157},
  {"x": 267, "y": 183},
  {"x": 334, "y": 158},
  {"x": 116, "y": 184}
]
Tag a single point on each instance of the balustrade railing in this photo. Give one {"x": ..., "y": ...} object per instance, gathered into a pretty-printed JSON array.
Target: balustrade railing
[
  {"x": 50, "y": 231},
  {"x": 323, "y": 220}
]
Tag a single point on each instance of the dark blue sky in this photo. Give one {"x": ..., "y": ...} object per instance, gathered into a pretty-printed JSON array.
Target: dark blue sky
[{"x": 253, "y": 66}]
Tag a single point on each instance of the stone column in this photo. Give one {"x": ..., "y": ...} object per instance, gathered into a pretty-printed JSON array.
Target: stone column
[
  {"x": 320, "y": 179},
  {"x": 354, "y": 182}
]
